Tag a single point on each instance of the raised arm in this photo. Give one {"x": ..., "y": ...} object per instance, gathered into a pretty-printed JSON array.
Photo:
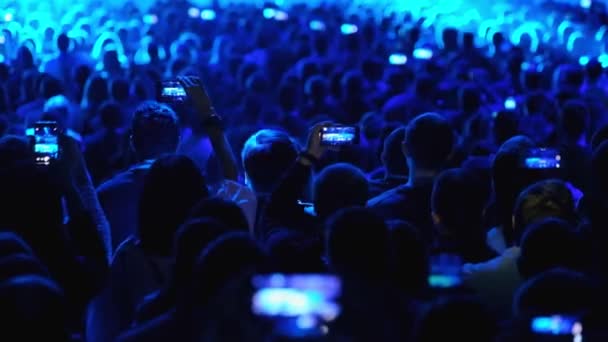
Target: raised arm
[{"x": 212, "y": 123}]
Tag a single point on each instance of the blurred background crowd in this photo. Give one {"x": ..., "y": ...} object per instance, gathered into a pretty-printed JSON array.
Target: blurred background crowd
[{"x": 446, "y": 219}]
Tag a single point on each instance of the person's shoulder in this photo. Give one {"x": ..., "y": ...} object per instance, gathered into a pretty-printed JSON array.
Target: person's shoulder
[
  {"x": 119, "y": 181},
  {"x": 162, "y": 328},
  {"x": 386, "y": 197}
]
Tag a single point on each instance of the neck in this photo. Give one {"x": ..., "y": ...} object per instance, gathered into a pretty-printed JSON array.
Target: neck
[{"x": 418, "y": 175}]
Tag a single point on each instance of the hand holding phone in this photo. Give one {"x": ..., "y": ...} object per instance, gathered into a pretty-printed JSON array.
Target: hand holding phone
[{"x": 194, "y": 89}]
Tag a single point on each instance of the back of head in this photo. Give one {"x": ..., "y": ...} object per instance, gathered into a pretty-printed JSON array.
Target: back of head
[
  {"x": 505, "y": 126},
  {"x": 226, "y": 212},
  {"x": 352, "y": 84},
  {"x": 266, "y": 156},
  {"x": 190, "y": 240},
  {"x": 454, "y": 316},
  {"x": 424, "y": 86},
  {"x": 469, "y": 98},
  {"x": 357, "y": 244},
  {"x": 574, "y": 119},
  {"x": 154, "y": 130},
  {"x": 392, "y": 153},
  {"x": 505, "y": 176},
  {"x": 49, "y": 86},
  {"x": 19, "y": 265},
  {"x": 459, "y": 218},
  {"x": 11, "y": 243},
  {"x": 33, "y": 307},
  {"x": 63, "y": 42},
  {"x": 111, "y": 115},
  {"x": 556, "y": 291},
  {"x": 594, "y": 70},
  {"x": 371, "y": 125},
  {"x": 339, "y": 186},
  {"x": 428, "y": 141},
  {"x": 316, "y": 87},
  {"x": 294, "y": 252},
  {"x": 173, "y": 185},
  {"x": 119, "y": 89},
  {"x": 548, "y": 244},
  {"x": 96, "y": 90},
  {"x": 549, "y": 198},
  {"x": 225, "y": 259}
]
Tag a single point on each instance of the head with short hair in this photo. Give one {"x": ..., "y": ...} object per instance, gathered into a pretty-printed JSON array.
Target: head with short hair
[
  {"x": 594, "y": 70},
  {"x": 224, "y": 211},
  {"x": 357, "y": 243},
  {"x": 339, "y": 186},
  {"x": 154, "y": 130},
  {"x": 316, "y": 88},
  {"x": 111, "y": 115},
  {"x": 173, "y": 185},
  {"x": 455, "y": 217},
  {"x": 371, "y": 125},
  {"x": 548, "y": 198},
  {"x": 574, "y": 119},
  {"x": 392, "y": 154},
  {"x": 507, "y": 180},
  {"x": 505, "y": 126},
  {"x": 224, "y": 260},
  {"x": 428, "y": 142},
  {"x": 469, "y": 98},
  {"x": 547, "y": 244},
  {"x": 266, "y": 156},
  {"x": 95, "y": 90},
  {"x": 63, "y": 42},
  {"x": 190, "y": 240},
  {"x": 34, "y": 305},
  {"x": 554, "y": 291},
  {"x": 455, "y": 315},
  {"x": 119, "y": 89},
  {"x": 49, "y": 86}
]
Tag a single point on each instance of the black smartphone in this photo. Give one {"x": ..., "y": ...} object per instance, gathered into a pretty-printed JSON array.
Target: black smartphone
[
  {"x": 339, "y": 135},
  {"x": 172, "y": 91},
  {"x": 46, "y": 142}
]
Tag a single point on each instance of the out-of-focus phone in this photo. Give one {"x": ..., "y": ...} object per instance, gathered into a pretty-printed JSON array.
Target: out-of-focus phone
[
  {"x": 558, "y": 325},
  {"x": 397, "y": 59},
  {"x": 348, "y": 29},
  {"x": 423, "y": 53},
  {"x": 194, "y": 12},
  {"x": 46, "y": 142},
  {"x": 445, "y": 271},
  {"x": 281, "y": 16},
  {"x": 339, "y": 135},
  {"x": 298, "y": 305},
  {"x": 317, "y": 25},
  {"x": 542, "y": 158},
  {"x": 510, "y": 103},
  {"x": 208, "y": 14},
  {"x": 173, "y": 91}
]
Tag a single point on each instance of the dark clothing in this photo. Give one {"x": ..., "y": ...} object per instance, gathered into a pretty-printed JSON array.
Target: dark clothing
[
  {"x": 379, "y": 186},
  {"x": 408, "y": 203},
  {"x": 473, "y": 251}
]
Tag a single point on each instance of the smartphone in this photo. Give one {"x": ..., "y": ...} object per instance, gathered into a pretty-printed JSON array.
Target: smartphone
[
  {"x": 397, "y": 59},
  {"x": 316, "y": 25},
  {"x": 445, "y": 271},
  {"x": 348, "y": 29},
  {"x": 269, "y": 13},
  {"x": 208, "y": 14},
  {"x": 299, "y": 305},
  {"x": 423, "y": 53},
  {"x": 172, "y": 91},
  {"x": 542, "y": 158},
  {"x": 46, "y": 142},
  {"x": 557, "y": 325},
  {"x": 339, "y": 135},
  {"x": 510, "y": 103}
]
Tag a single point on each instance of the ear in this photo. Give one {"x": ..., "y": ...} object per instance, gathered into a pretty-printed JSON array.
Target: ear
[{"x": 436, "y": 218}]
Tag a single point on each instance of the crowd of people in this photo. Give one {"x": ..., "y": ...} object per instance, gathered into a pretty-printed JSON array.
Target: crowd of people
[{"x": 473, "y": 206}]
